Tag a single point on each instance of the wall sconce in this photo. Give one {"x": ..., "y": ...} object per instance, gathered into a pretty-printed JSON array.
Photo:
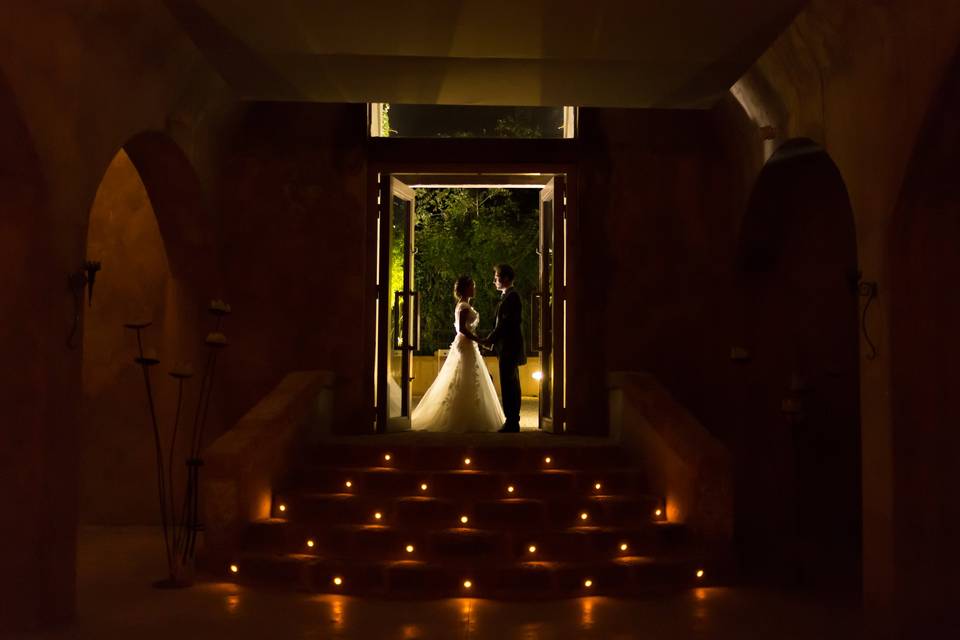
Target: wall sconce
[
  {"x": 85, "y": 276},
  {"x": 865, "y": 289}
]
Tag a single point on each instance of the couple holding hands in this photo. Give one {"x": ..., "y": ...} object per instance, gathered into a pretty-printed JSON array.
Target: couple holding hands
[{"x": 462, "y": 397}]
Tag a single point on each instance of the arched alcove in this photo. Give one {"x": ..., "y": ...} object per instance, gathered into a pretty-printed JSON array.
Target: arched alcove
[
  {"x": 147, "y": 228},
  {"x": 924, "y": 349},
  {"x": 798, "y": 446}
]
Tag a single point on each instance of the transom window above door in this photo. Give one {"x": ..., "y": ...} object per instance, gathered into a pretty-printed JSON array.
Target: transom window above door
[{"x": 461, "y": 121}]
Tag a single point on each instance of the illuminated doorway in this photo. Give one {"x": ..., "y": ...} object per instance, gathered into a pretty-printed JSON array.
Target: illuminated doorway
[{"x": 404, "y": 364}]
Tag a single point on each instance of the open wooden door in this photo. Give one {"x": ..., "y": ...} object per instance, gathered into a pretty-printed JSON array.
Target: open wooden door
[
  {"x": 549, "y": 335},
  {"x": 398, "y": 308}
]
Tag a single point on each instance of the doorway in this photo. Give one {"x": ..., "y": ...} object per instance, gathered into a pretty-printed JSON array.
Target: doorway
[{"x": 403, "y": 363}]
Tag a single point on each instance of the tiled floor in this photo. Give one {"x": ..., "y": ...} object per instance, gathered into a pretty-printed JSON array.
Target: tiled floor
[{"x": 116, "y": 566}]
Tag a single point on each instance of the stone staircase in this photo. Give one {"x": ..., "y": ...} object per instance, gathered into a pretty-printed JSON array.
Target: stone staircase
[{"x": 528, "y": 516}]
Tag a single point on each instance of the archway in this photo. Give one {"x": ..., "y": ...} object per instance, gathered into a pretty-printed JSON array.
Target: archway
[
  {"x": 147, "y": 227},
  {"x": 798, "y": 448},
  {"x": 924, "y": 347}
]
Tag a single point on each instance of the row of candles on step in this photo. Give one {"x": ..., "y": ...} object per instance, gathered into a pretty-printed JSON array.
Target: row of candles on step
[
  {"x": 337, "y": 581},
  {"x": 464, "y": 519}
]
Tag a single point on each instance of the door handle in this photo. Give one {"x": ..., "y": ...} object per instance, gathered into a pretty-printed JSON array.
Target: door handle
[
  {"x": 400, "y": 338},
  {"x": 534, "y": 317},
  {"x": 416, "y": 320}
]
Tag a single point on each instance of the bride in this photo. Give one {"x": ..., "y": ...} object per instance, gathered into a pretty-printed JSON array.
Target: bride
[{"x": 462, "y": 398}]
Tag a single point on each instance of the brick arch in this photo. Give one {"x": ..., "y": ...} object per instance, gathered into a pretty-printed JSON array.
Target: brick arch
[
  {"x": 924, "y": 269},
  {"x": 798, "y": 477}
]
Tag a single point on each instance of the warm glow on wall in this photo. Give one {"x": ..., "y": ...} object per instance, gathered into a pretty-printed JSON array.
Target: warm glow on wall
[{"x": 538, "y": 375}]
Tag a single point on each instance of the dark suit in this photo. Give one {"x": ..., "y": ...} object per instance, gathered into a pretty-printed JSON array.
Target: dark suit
[{"x": 507, "y": 342}]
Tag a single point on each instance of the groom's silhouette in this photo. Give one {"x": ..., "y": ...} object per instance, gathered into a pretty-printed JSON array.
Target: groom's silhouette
[{"x": 507, "y": 341}]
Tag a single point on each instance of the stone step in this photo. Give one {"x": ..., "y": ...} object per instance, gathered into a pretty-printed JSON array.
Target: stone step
[
  {"x": 492, "y": 458},
  {"x": 462, "y": 544},
  {"x": 423, "y": 511},
  {"x": 472, "y": 483},
  {"x": 416, "y": 578}
]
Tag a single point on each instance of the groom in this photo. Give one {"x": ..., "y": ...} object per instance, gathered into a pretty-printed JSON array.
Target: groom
[{"x": 507, "y": 341}]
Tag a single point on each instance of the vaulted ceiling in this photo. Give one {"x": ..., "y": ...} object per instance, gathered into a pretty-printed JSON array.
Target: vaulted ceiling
[{"x": 640, "y": 53}]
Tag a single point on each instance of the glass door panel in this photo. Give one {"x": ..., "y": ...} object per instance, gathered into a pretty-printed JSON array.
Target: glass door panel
[
  {"x": 397, "y": 306},
  {"x": 549, "y": 339}
]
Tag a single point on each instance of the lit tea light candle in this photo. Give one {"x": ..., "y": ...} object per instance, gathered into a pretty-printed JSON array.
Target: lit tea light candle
[
  {"x": 584, "y": 515},
  {"x": 282, "y": 507},
  {"x": 234, "y": 569},
  {"x": 466, "y": 462},
  {"x": 699, "y": 573},
  {"x": 377, "y": 515},
  {"x": 338, "y": 581},
  {"x": 348, "y": 484},
  {"x": 532, "y": 548},
  {"x": 597, "y": 486},
  {"x": 423, "y": 487},
  {"x": 467, "y": 584},
  {"x": 310, "y": 543},
  {"x": 588, "y": 583},
  {"x": 511, "y": 489},
  {"x": 386, "y": 457},
  {"x": 409, "y": 548},
  {"x": 464, "y": 519},
  {"x": 548, "y": 460},
  {"x": 623, "y": 546}
]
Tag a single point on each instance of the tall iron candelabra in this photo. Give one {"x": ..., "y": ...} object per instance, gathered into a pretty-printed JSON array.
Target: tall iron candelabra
[{"x": 180, "y": 530}]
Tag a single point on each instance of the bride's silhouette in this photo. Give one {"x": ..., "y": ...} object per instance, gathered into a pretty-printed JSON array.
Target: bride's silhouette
[{"x": 462, "y": 398}]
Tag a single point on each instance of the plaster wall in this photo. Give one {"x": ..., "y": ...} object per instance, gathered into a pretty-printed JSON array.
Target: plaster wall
[
  {"x": 77, "y": 81},
  {"x": 858, "y": 77},
  {"x": 924, "y": 350}
]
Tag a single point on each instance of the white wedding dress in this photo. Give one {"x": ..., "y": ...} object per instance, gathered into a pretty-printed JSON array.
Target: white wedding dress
[{"x": 462, "y": 398}]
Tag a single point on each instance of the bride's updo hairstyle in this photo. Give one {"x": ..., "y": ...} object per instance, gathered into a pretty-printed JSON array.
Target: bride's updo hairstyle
[{"x": 460, "y": 287}]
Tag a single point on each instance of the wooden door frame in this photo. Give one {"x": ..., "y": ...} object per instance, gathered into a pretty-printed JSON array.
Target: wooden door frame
[{"x": 405, "y": 156}]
